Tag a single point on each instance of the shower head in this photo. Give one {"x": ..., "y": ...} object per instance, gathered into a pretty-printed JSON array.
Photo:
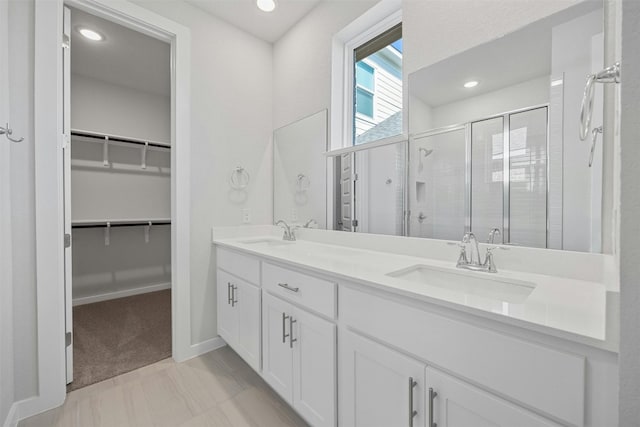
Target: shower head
[{"x": 425, "y": 152}]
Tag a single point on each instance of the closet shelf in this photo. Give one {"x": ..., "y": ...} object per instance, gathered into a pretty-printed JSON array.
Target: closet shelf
[
  {"x": 116, "y": 138},
  {"x": 119, "y": 223}
]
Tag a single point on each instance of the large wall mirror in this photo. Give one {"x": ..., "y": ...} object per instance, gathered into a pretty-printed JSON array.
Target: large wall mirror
[
  {"x": 300, "y": 172},
  {"x": 494, "y": 138},
  {"x": 369, "y": 190},
  {"x": 493, "y": 143}
]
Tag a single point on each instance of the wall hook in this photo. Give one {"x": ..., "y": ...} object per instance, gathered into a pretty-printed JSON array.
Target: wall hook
[
  {"x": 105, "y": 151},
  {"x": 594, "y": 140},
  {"x": 144, "y": 155},
  {"x": 107, "y": 234},
  {"x": 7, "y": 131}
]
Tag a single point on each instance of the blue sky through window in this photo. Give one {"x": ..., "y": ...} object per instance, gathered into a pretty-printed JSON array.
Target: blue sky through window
[{"x": 397, "y": 45}]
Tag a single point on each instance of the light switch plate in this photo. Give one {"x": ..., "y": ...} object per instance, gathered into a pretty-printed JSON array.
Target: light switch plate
[{"x": 246, "y": 216}]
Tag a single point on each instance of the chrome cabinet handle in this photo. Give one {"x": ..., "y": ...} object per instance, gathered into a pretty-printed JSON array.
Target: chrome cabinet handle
[
  {"x": 234, "y": 301},
  {"x": 432, "y": 395},
  {"x": 287, "y": 287},
  {"x": 291, "y": 339},
  {"x": 284, "y": 334},
  {"x": 412, "y": 412},
  {"x": 229, "y": 298}
]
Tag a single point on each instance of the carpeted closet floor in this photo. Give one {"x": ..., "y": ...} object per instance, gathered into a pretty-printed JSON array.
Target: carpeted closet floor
[{"x": 120, "y": 335}]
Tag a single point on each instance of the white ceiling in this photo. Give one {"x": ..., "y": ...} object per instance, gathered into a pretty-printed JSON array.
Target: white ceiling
[
  {"x": 244, "y": 14},
  {"x": 514, "y": 58},
  {"x": 126, "y": 57}
]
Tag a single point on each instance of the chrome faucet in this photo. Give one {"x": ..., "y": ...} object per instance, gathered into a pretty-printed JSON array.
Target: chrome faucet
[
  {"x": 310, "y": 224},
  {"x": 289, "y": 231},
  {"x": 473, "y": 261}
]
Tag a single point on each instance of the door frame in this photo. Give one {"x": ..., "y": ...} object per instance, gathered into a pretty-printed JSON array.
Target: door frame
[{"x": 48, "y": 113}]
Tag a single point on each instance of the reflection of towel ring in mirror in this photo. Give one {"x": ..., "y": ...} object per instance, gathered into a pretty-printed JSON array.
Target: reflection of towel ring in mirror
[
  {"x": 239, "y": 178},
  {"x": 302, "y": 183}
]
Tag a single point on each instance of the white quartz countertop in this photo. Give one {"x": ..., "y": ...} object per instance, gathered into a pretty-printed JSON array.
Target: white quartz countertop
[{"x": 564, "y": 307}]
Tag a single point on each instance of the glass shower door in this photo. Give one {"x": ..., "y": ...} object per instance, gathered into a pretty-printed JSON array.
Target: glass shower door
[
  {"x": 528, "y": 178},
  {"x": 487, "y": 176}
]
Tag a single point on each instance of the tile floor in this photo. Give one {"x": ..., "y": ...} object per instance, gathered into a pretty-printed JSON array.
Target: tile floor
[{"x": 215, "y": 389}]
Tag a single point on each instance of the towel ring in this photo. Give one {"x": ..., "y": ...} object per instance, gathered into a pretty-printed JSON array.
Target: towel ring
[{"x": 240, "y": 178}]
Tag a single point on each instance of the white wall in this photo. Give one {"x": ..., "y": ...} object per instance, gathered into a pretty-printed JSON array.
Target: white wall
[
  {"x": 629, "y": 213},
  {"x": 451, "y": 27},
  {"x": 117, "y": 110},
  {"x": 302, "y": 60},
  {"x": 231, "y": 102},
  {"x": 21, "y": 39},
  {"x": 231, "y": 85},
  {"x": 6, "y": 283}
]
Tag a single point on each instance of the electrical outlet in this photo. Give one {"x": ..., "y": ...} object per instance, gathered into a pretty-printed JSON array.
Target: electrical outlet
[
  {"x": 246, "y": 216},
  {"x": 294, "y": 214}
]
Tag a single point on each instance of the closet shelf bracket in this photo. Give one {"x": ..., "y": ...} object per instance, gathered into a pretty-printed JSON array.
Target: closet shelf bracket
[
  {"x": 107, "y": 234},
  {"x": 144, "y": 155},
  {"x": 105, "y": 151}
]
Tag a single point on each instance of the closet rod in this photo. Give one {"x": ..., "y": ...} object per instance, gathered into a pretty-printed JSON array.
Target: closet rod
[
  {"x": 113, "y": 224},
  {"x": 114, "y": 138}
]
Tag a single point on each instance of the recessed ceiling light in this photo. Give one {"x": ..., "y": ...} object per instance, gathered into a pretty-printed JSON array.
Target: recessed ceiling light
[
  {"x": 266, "y": 5},
  {"x": 471, "y": 84},
  {"x": 91, "y": 34}
]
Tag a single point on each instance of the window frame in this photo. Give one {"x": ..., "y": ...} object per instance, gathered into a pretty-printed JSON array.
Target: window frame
[{"x": 380, "y": 18}]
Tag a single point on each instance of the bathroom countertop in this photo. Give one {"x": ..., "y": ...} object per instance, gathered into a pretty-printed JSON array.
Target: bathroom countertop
[{"x": 566, "y": 308}]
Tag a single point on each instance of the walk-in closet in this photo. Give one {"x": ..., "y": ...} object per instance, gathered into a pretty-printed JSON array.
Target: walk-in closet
[{"x": 117, "y": 198}]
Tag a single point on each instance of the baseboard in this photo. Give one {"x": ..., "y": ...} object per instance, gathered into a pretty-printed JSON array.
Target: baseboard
[
  {"x": 12, "y": 416},
  {"x": 121, "y": 294},
  {"x": 27, "y": 408},
  {"x": 203, "y": 347}
]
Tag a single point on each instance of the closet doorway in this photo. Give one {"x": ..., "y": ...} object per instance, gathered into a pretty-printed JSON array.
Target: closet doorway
[{"x": 117, "y": 198}]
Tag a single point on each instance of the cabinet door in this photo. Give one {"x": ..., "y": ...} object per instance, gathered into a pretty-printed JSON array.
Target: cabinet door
[
  {"x": 227, "y": 316},
  {"x": 248, "y": 315},
  {"x": 459, "y": 404},
  {"x": 277, "y": 355},
  {"x": 314, "y": 368},
  {"x": 379, "y": 386}
]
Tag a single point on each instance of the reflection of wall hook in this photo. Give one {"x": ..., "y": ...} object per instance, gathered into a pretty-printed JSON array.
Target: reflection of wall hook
[
  {"x": 7, "y": 131},
  {"x": 594, "y": 140},
  {"x": 239, "y": 178},
  {"x": 388, "y": 181},
  {"x": 302, "y": 183}
]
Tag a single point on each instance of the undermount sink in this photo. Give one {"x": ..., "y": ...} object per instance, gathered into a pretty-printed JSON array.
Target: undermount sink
[
  {"x": 267, "y": 242},
  {"x": 507, "y": 290}
]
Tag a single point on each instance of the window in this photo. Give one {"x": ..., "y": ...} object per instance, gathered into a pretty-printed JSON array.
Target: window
[
  {"x": 364, "y": 89},
  {"x": 377, "y": 87}
]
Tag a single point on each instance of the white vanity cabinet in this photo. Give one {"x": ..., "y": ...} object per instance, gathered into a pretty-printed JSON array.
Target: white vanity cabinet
[
  {"x": 239, "y": 308},
  {"x": 379, "y": 386},
  {"x": 383, "y": 387},
  {"x": 349, "y": 354},
  {"x": 460, "y": 404},
  {"x": 299, "y": 359}
]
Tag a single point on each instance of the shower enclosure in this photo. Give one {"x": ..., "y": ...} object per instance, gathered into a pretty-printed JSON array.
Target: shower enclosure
[{"x": 481, "y": 175}]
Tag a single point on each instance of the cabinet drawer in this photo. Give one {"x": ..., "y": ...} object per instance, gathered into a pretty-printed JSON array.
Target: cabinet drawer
[
  {"x": 311, "y": 292},
  {"x": 242, "y": 266},
  {"x": 534, "y": 375}
]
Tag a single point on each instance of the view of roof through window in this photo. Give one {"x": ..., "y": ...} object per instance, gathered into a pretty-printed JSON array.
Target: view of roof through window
[{"x": 378, "y": 88}]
